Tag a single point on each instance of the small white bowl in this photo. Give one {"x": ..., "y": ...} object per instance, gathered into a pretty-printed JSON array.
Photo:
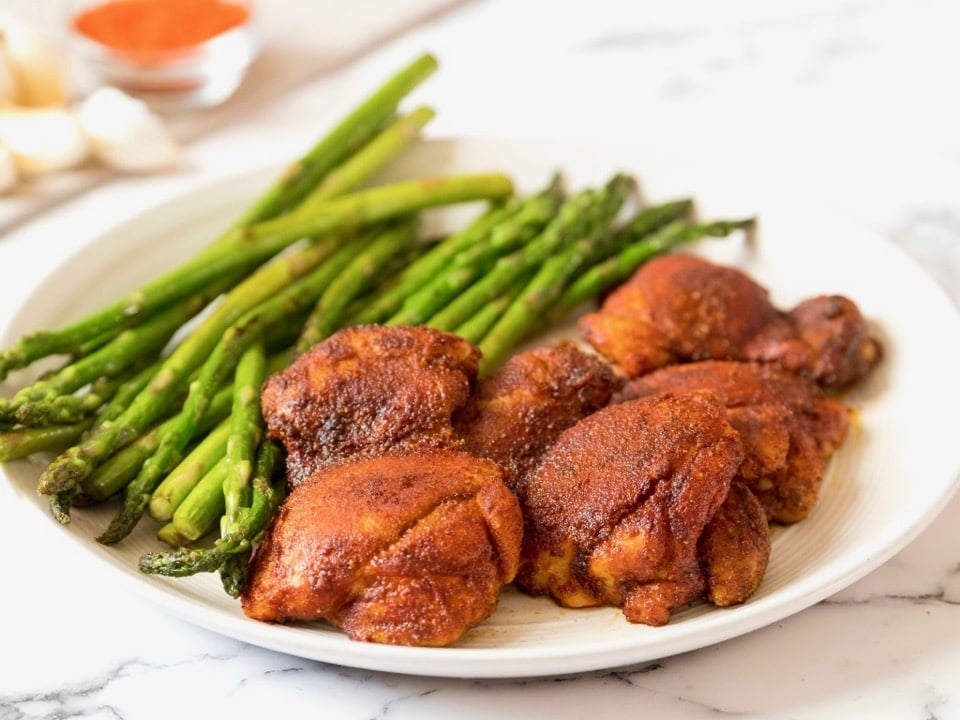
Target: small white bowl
[{"x": 200, "y": 75}]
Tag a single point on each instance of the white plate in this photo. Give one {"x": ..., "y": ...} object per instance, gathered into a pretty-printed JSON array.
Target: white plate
[{"x": 894, "y": 473}]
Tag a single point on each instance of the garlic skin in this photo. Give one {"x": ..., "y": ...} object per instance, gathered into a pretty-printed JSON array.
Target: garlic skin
[
  {"x": 43, "y": 140},
  {"x": 125, "y": 134},
  {"x": 35, "y": 67},
  {"x": 8, "y": 170}
]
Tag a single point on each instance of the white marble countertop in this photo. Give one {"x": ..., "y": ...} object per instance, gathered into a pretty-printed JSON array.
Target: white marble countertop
[{"x": 852, "y": 101}]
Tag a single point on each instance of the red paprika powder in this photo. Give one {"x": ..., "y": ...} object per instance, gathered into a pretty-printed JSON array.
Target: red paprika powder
[{"x": 139, "y": 26}]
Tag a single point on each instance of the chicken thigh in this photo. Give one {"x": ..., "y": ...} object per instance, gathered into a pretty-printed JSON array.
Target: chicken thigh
[
  {"x": 680, "y": 308},
  {"x": 366, "y": 391},
  {"x": 520, "y": 410},
  {"x": 410, "y": 550},
  {"x": 615, "y": 509}
]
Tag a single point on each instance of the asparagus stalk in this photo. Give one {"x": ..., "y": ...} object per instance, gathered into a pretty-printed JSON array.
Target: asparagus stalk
[
  {"x": 480, "y": 323},
  {"x": 356, "y": 278},
  {"x": 587, "y": 213},
  {"x": 246, "y": 432},
  {"x": 202, "y": 508},
  {"x": 428, "y": 265},
  {"x": 368, "y": 159},
  {"x": 342, "y": 141},
  {"x": 171, "y": 491},
  {"x": 22, "y": 442},
  {"x": 49, "y": 401},
  {"x": 129, "y": 389},
  {"x": 122, "y": 467},
  {"x": 268, "y": 492},
  {"x": 528, "y": 218},
  {"x": 252, "y": 245}
]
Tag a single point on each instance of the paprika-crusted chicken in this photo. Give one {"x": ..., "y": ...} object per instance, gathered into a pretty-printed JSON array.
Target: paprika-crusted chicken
[
  {"x": 519, "y": 411},
  {"x": 410, "y": 550},
  {"x": 788, "y": 426},
  {"x": 681, "y": 308},
  {"x": 366, "y": 391},
  {"x": 615, "y": 510}
]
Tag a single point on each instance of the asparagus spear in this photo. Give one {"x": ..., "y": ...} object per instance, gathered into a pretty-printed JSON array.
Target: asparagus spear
[
  {"x": 342, "y": 141},
  {"x": 428, "y": 265},
  {"x": 268, "y": 492},
  {"x": 122, "y": 467},
  {"x": 65, "y": 409},
  {"x": 21, "y": 442},
  {"x": 246, "y": 432},
  {"x": 171, "y": 491},
  {"x": 177, "y": 484},
  {"x": 369, "y": 158},
  {"x": 49, "y": 401},
  {"x": 355, "y": 279},
  {"x": 480, "y": 323},
  {"x": 584, "y": 214},
  {"x": 252, "y": 245},
  {"x": 202, "y": 508},
  {"x": 529, "y": 217},
  {"x": 129, "y": 388}
]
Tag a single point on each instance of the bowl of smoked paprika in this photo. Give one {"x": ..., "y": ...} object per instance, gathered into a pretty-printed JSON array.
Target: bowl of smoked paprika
[{"x": 173, "y": 54}]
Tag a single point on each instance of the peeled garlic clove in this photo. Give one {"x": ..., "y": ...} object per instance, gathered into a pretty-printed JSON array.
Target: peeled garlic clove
[
  {"x": 37, "y": 66},
  {"x": 125, "y": 134},
  {"x": 9, "y": 89},
  {"x": 43, "y": 140},
  {"x": 8, "y": 170}
]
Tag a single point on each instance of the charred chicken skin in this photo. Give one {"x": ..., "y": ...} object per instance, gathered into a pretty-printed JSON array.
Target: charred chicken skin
[
  {"x": 519, "y": 411},
  {"x": 366, "y": 391},
  {"x": 410, "y": 550},
  {"x": 680, "y": 308},
  {"x": 788, "y": 426},
  {"x": 615, "y": 509}
]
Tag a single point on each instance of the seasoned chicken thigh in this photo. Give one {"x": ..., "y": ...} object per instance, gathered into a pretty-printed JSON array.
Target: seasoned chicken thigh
[
  {"x": 520, "y": 410},
  {"x": 788, "y": 426},
  {"x": 366, "y": 391},
  {"x": 680, "y": 308},
  {"x": 408, "y": 550},
  {"x": 615, "y": 509}
]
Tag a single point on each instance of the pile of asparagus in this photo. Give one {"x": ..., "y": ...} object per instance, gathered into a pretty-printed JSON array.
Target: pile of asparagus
[{"x": 157, "y": 399}]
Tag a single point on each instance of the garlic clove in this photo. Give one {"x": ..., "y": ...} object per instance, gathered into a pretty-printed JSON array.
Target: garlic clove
[
  {"x": 43, "y": 140},
  {"x": 37, "y": 66},
  {"x": 125, "y": 134},
  {"x": 9, "y": 89},
  {"x": 8, "y": 170}
]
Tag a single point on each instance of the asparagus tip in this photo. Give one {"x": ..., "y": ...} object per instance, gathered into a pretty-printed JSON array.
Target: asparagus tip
[{"x": 63, "y": 474}]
